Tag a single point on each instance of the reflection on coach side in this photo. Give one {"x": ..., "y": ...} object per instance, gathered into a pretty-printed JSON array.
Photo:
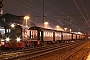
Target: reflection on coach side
[
  {"x": 47, "y": 35},
  {"x": 57, "y": 36},
  {"x": 67, "y": 36},
  {"x": 74, "y": 36}
]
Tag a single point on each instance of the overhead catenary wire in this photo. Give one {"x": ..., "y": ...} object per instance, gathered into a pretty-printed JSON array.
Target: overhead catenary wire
[
  {"x": 31, "y": 1},
  {"x": 52, "y": 7},
  {"x": 67, "y": 15},
  {"x": 28, "y": 7},
  {"x": 59, "y": 21},
  {"x": 32, "y": 5},
  {"x": 74, "y": 20},
  {"x": 81, "y": 12},
  {"x": 58, "y": 10},
  {"x": 62, "y": 12},
  {"x": 85, "y": 11}
]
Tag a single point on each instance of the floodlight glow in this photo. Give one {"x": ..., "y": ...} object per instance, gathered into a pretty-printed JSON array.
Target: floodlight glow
[
  {"x": 65, "y": 29},
  {"x": 46, "y": 23},
  {"x": 26, "y": 17},
  {"x": 12, "y": 25}
]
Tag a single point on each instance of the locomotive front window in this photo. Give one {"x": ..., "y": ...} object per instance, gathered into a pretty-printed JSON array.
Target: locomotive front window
[{"x": 8, "y": 30}]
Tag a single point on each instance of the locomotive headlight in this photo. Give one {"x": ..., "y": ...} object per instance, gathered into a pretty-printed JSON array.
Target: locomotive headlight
[
  {"x": 18, "y": 39},
  {"x": 7, "y": 39}
]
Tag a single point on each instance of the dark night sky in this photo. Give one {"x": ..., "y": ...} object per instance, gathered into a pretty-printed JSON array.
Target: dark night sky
[{"x": 58, "y": 12}]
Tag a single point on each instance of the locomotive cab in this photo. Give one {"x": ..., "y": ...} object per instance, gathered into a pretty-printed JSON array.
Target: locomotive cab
[{"x": 13, "y": 34}]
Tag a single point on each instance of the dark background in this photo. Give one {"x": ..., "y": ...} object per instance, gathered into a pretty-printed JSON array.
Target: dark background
[{"x": 73, "y": 14}]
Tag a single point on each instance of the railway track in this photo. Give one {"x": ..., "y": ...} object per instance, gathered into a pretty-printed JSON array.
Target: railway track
[
  {"x": 28, "y": 54},
  {"x": 78, "y": 53},
  {"x": 43, "y": 52}
]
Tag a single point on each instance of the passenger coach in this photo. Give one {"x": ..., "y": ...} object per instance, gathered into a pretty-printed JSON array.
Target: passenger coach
[{"x": 52, "y": 36}]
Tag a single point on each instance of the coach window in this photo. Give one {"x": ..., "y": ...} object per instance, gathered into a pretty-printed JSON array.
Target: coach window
[
  {"x": 35, "y": 34},
  {"x": 51, "y": 34},
  {"x": 47, "y": 34},
  {"x": 44, "y": 34},
  {"x": 31, "y": 34},
  {"x": 40, "y": 33}
]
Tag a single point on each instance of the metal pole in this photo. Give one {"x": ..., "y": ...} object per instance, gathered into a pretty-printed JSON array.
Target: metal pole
[
  {"x": 43, "y": 13},
  {"x": 26, "y": 22}
]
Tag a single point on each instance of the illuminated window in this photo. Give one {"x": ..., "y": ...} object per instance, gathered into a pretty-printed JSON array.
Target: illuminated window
[
  {"x": 48, "y": 34},
  {"x": 6, "y": 30},
  {"x": 44, "y": 34},
  {"x": 52, "y": 34},
  {"x": 40, "y": 33},
  {"x": 31, "y": 34},
  {"x": 9, "y": 30}
]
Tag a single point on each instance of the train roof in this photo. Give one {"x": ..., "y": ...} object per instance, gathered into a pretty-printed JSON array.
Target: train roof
[
  {"x": 41, "y": 29},
  {"x": 9, "y": 26}
]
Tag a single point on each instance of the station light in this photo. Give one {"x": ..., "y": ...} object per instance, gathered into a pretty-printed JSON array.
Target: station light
[
  {"x": 12, "y": 25},
  {"x": 46, "y": 24},
  {"x": 57, "y": 27},
  {"x": 65, "y": 29},
  {"x": 26, "y": 18}
]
